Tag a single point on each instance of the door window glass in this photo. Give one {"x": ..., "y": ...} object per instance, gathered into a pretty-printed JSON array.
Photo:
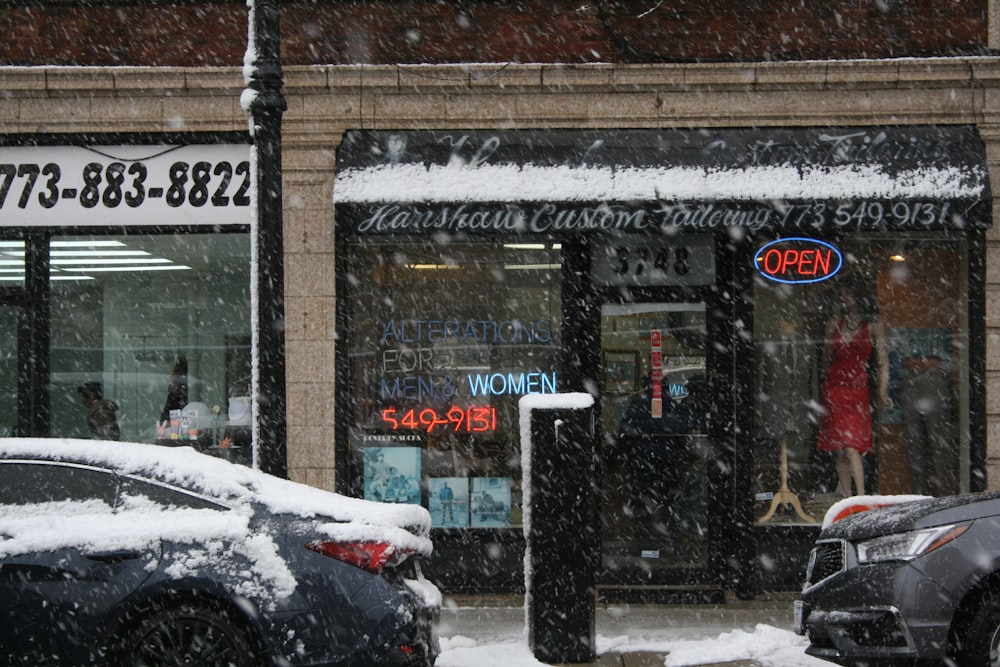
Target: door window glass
[
  {"x": 141, "y": 494},
  {"x": 657, "y": 452},
  {"x": 819, "y": 377},
  {"x": 153, "y": 324},
  {"x": 444, "y": 340},
  {"x": 35, "y": 483}
]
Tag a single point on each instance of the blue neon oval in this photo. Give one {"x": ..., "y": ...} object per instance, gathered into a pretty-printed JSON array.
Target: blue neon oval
[{"x": 835, "y": 264}]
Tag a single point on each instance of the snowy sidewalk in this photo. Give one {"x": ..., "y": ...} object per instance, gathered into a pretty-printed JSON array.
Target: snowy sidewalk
[{"x": 487, "y": 631}]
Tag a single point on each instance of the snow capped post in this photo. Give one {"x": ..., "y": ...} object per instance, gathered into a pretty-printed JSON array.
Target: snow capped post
[
  {"x": 561, "y": 525},
  {"x": 265, "y": 104}
]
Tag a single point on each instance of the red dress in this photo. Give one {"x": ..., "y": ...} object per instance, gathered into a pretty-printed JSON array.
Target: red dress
[{"x": 847, "y": 417}]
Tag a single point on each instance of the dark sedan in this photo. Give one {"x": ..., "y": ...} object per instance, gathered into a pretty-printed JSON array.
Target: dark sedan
[
  {"x": 912, "y": 583},
  {"x": 129, "y": 554}
]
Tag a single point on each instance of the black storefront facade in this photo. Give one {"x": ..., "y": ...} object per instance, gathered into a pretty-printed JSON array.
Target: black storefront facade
[{"x": 685, "y": 279}]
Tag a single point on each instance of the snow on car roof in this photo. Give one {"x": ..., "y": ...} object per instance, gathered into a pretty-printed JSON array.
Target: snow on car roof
[
  {"x": 218, "y": 478},
  {"x": 91, "y": 528}
]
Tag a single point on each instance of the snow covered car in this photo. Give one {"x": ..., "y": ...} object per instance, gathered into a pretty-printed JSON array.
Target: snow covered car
[
  {"x": 911, "y": 583},
  {"x": 132, "y": 554}
]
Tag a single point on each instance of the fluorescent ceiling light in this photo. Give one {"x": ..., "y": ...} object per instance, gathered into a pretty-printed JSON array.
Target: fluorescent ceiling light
[
  {"x": 86, "y": 253},
  {"x": 100, "y": 253},
  {"x": 433, "y": 267},
  {"x": 82, "y": 257},
  {"x": 127, "y": 269},
  {"x": 121, "y": 261},
  {"x": 531, "y": 267},
  {"x": 88, "y": 244},
  {"x": 531, "y": 246}
]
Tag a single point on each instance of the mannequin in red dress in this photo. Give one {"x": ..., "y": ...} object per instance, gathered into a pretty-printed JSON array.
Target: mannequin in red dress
[{"x": 846, "y": 421}]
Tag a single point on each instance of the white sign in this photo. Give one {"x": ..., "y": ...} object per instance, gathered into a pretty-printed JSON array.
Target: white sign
[
  {"x": 202, "y": 184},
  {"x": 650, "y": 261}
]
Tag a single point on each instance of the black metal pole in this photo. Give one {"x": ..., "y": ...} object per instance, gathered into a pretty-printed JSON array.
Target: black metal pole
[{"x": 266, "y": 107}]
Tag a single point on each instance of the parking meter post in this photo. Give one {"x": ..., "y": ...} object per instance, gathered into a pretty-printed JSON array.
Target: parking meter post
[{"x": 563, "y": 539}]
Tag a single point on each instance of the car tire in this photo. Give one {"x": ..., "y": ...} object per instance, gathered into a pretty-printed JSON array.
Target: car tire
[
  {"x": 980, "y": 642},
  {"x": 187, "y": 634}
]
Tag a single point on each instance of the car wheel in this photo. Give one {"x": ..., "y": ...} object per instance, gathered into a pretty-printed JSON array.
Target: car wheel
[
  {"x": 980, "y": 645},
  {"x": 188, "y": 634}
]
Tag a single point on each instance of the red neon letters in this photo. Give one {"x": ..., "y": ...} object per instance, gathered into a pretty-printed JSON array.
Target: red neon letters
[
  {"x": 809, "y": 263},
  {"x": 475, "y": 419},
  {"x": 798, "y": 260}
]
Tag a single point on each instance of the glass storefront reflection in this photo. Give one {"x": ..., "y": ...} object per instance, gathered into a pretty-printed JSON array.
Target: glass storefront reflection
[
  {"x": 154, "y": 323},
  {"x": 916, "y": 290},
  {"x": 444, "y": 339}
]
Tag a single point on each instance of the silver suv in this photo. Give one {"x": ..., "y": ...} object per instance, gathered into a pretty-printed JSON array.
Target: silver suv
[{"x": 917, "y": 582}]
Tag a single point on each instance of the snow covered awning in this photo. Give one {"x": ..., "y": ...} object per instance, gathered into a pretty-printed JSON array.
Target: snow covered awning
[{"x": 526, "y": 181}]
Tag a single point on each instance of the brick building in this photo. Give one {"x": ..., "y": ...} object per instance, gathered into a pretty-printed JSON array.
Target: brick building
[{"x": 592, "y": 179}]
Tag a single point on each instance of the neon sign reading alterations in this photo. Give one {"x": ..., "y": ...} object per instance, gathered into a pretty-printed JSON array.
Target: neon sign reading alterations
[{"x": 475, "y": 419}]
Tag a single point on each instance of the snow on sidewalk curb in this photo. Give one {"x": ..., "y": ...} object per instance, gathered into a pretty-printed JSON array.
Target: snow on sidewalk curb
[{"x": 766, "y": 645}]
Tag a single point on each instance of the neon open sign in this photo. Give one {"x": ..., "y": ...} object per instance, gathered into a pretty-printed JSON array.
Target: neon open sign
[{"x": 798, "y": 260}]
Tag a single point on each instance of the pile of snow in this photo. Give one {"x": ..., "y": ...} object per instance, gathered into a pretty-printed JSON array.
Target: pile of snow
[
  {"x": 537, "y": 183},
  {"x": 767, "y": 645}
]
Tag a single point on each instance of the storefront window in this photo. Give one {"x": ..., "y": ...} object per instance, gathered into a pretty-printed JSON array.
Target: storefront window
[
  {"x": 11, "y": 281},
  {"x": 914, "y": 440},
  {"x": 444, "y": 338},
  {"x": 154, "y": 323}
]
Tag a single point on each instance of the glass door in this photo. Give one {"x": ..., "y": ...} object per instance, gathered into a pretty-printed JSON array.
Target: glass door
[{"x": 657, "y": 450}]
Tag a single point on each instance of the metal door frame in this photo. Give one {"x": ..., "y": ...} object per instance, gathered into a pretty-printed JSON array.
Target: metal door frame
[{"x": 731, "y": 563}]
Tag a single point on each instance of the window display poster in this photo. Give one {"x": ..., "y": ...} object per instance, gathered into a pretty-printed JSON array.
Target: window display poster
[
  {"x": 392, "y": 474},
  {"x": 448, "y": 502},
  {"x": 490, "y": 502}
]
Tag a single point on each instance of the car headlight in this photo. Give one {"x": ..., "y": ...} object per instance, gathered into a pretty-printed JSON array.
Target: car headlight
[{"x": 907, "y": 546}]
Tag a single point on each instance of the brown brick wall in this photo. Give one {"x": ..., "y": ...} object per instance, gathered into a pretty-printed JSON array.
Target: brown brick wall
[
  {"x": 202, "y": 33},
  {"x": 190, "y": 34}
]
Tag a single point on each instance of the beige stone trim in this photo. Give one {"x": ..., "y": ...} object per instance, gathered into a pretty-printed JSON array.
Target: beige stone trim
[{"x": 993, "y": 29}]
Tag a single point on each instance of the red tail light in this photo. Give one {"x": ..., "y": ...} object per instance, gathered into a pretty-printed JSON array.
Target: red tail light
[{"x": 371, "y": 556}]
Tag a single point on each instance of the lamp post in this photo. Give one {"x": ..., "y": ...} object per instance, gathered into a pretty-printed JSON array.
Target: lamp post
[{"x": 265, "y": 104}]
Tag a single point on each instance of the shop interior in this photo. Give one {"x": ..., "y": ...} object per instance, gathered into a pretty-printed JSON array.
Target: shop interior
[{"x": 162, "y": 323}]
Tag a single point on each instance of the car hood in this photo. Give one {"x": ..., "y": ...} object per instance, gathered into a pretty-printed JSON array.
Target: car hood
[{"x": 913, "y": 515}]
